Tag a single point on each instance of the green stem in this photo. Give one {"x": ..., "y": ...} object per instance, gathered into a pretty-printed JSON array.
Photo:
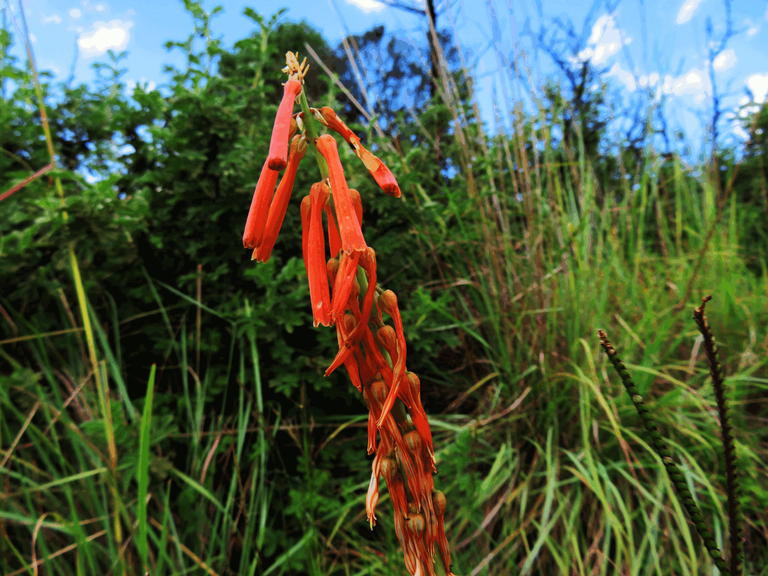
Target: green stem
[
  {"x": 309, "y": 124},
  {"x": 664, "y": 453}
]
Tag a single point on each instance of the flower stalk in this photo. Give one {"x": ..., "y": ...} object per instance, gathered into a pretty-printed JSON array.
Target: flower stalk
[{"x": 344, "y": 294}]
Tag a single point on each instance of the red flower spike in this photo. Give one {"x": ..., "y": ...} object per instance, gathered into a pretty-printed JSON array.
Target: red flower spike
[
  {"x": 388, "y": 305},
  {"x": 357, "y": 202},
  {"x": 345, "y": 279},
  {"x": 334, "y": 240},
  {"x": 314, "y": 257},
  {"x": 278, "y": 145},
  {"x": 280, "y": 202},
  {"x": 259, "y": 210},
  {"x": 349, "y": 227}
]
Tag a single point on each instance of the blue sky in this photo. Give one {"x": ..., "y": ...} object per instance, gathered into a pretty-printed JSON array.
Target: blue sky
[{"x": 656, "y": 46}]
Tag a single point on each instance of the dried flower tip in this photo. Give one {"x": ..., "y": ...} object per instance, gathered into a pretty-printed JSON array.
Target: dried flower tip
[{"x": 295, "y": 70}]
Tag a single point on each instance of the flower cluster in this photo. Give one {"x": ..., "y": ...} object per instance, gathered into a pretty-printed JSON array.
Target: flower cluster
[{"x": 344, "y": 294}]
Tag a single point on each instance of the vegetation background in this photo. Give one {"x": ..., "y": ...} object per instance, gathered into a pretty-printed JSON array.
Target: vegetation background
[{"x": 508, "y": 251}]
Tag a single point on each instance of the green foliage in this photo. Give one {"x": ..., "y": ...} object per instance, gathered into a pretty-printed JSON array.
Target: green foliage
[{"x": 506, "y": 252}]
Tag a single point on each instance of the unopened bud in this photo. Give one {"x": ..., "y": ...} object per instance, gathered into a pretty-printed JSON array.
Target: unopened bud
[
  {"x": 388, "y": 302},
  {"x": 415, "y": 383},
  {"x": 386, "y": 337},
  {"x": 413, "y": 441},
  {"x": 416, "y": 523},
  {"x": 380, "y": 390},
  {"x": 439, "y": 502}
]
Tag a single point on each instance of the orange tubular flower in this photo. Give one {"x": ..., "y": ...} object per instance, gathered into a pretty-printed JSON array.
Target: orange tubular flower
[
  {"x": 349, "y": 227},
  {"x": 383, "y": 175},
  {"x": 257, "y": 214},
  {"x": 314, "y": 256},
  {"x": 280, "y": 202},
  {"x": 278, "y": 145}
]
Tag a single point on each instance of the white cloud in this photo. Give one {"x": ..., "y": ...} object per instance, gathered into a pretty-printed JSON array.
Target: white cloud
[
  {"x": 55, "y": 18},
  {"x": 100, "y": 8},
  {"x": 604, "y": 41},
  {"x": 758, "y": 85},
  {"x": 687, "y": 10},
  {"x": 724, "y": 60},
  {"x": 624, "y": 76},
  {"x": 693, "y": 82},
  {"x": 367, "y": 5},
  {"x": 111, "y": 36},
  {"x": 33, "y": 38},
  {"x": 75, "y": 13},
  {"x": 740, "y": 132},
  {"x": 753, "y": 30}
]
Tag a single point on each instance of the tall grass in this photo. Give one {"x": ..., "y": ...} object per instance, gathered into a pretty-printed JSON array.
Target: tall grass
[{"x": 547, "y": 474}]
